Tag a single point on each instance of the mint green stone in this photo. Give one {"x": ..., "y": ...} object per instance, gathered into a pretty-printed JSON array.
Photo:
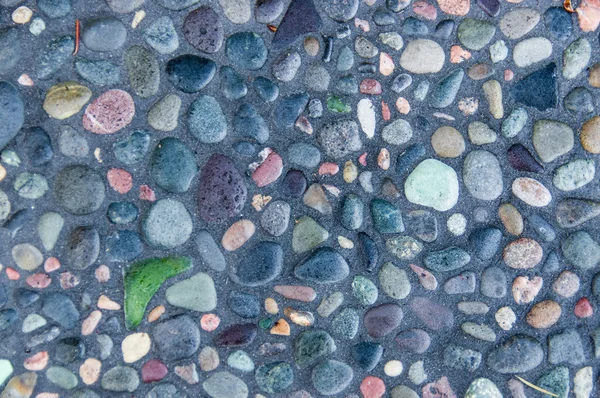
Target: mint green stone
[
  {"x": 483, "y": 388},
  {"x": 62, "y": 377},
  {"x": 307, "y": 235},
  {"x": 364, "y": 290},
  {"x": 240, "y": 360},
  {"x": 432, "y": 184},
  {"x": 556, "y": 381},
  {"x": 335, "y": 104},
  {"x": 6, "y": 370}
]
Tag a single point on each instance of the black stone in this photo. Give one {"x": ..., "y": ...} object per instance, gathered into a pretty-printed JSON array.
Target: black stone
[
  {"x": 369, "y": 251},
  {"x": 293, "y": 184},
  {"x": 485, "y": 242},
  {"x": 444, "y": 29},
  {"x": 367, "y": 354},
  {"x": 83, "y": 247},
  {"x": 259, "y": 265},
  {"x": 246, "y": 305},
  {"x": 238, "y": 335}
]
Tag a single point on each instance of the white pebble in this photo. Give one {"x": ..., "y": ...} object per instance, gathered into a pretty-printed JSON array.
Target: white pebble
[
  {"x": 457, "y": 224},
  {"x": 393, "y": 368}
]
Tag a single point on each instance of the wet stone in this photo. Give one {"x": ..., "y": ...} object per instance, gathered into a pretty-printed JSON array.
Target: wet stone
[
  {"x": 190, "y": 73},
  {"x": 287, "y": 110},
  {"x": 325, "y": 265},
  {"x": 232, "y": 84},
  {"x": 274, "y": 377},
  {"x": 331, "y": 377},
  {"x": 133, "y": 148}
]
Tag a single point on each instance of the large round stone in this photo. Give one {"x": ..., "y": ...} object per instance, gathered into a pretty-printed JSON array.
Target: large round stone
[
  {"x": 79, "y": 189},
  {"x": 432, "y": 184}
]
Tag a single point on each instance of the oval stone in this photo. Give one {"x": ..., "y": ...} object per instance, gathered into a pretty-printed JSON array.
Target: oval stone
[
  {"x": 238, "y": 335},
  {"x": 203, "y": 29},
  {"x": 324, "y": 265},
  {"x": 172, "y": 165},
  {"x": 79, "y": 189},
  {"x": 104, "y": 34},
  {"x": 109, "y": 113},
  {"x": 482, "y": 175},
  {"x": 222, "y": 192},
  {"x": 83, "y": 247},
  {"x": 433, "y": 315},
  {"x": 259, "y": 265},
  {"x": 517, "y": 354},
  {"x": 206, "y": 120},
  {"x": 523, "y": 253},
  {"x": 383, "y": 319},
  {"x": 422, "y": 56},
  {"x": 66, "y": 99},
  {"x": 531, "y": 191},
  {"x": 143, "y": 71},
  {"x": 167, "y": 225},
  {"x": 246, "y": 50}
]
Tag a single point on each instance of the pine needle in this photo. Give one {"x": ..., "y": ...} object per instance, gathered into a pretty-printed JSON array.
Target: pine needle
[{"x": 536, "y": 387}]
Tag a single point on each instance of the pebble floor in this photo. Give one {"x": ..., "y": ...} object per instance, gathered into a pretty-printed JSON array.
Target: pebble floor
[{"x": 299, "y": 198}]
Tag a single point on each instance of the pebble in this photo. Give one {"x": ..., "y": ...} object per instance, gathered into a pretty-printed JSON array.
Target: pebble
[
  {"x": 435, "y": 316},
  {"x": 475, "y": 34},
  {"x": 531, "y": 191},
  {"x": 104, "y": 34},
  {"x": 448, "y": 259},
  {"x": 544, "y": 314},
  {"x": 422, "y": 56},
  {"x": 120, "y": 379},
  {"x": 566, "y": 347},
  {"x": 9, "y": 44},
  {"x": 225, "y": 385},
  {"x": 331, "y": 377},
  {"x": 11, "y": 117},
  {"x": 66, "y": 99},
  {"x": 274, "y": 377},
  {"x": 55, "y": 8},
  {"x": 446, "y": 89},
  {"x": 345, "y": 324},
  {"x": 566, "y": 284},
  {"x": 574, "y": 175},
  {"x": 398, "y": 132},
  {"x": 190, "y": 73},
  {"x": 276, "y": 217},
  {"x": 196, "y": 293},
  {"x": 415, "y": 340},
  {"x": 163, "y": 114},
  {"x": 394, "y": 281},
  {"x": 481, "y": 134},
  {"x": 517, "y": 354},
  {"x": 246, "y": 50},
  {"x": 55, "y": 55},
  {"x": 109, "y": 113},
  {"x": 269, "y": 254},
  {"x": 432, "y": 184},
  {"x": 482, "y": 387},
  {"x": 386, "y": 217},
  {"x": 576, "y": 58},
  {"x": 240, "y": 360},
  {"x": 172, "y": 165},
  {"x": 581, "y": 250},
  {"x": 537, "y": 89}
]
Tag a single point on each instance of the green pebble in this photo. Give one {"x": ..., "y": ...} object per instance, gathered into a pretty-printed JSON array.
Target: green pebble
[
  {"x": 62, "y": 377},
  {"x": 556, "y": 381},
  {"x": 6, "y": 370},
  {"x": 483, "y": 388},
  {"x": 307, "y": 235},
  {"x": 240, "y": 360},
  {"x": 266, "y": 323},
  {"x": 335, "y": 104},
  {"x": 345, "y": 324},
  {"x": 364, "y": 290},
  {"x": 274, "y": 377}
]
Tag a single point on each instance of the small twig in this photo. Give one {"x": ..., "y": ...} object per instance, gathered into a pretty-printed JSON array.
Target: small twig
[
  {"x": 77, "y": 29},
  {"x": 536, "y": 387}
]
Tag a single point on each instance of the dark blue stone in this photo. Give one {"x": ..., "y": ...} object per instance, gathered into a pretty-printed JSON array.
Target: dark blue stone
[
  {"x": 559, "y": 23},
  {"x": 8, "y": 318},
  {"x": 246, "y": 50},
  {"x": 190, "y": 73},
  {"x": 300, "y": 18},
  {"x": 266, "y": 89},
  {"x": 521, "y": 159},
  {"x": 288, "y": 109},
  {"x": 54, "y": 8},
  {"x": 123, "y": 246},
  {"x": 491, "y": 7},
  {"x": 3, "y": 295},
  {"x": 409, "y": 157},
  {"x": 12, "y": 113},
  {"x": 172, "y": 165},
  {"x": 36, "y": 145},
  {"x": 293, "y": 184},
  {"x": 243, "y": 304},
  {"x": 552, "y": 264},
  {"x": 60, "y": 308},
  {"x": 122, "y": 212},
  {"x": 324, "y": 265},
  {"x": 176, "y": 338},
  {"x": 17, "y": 220},
  {"x": 485, "y": 242},
  {"x": 368, "y": 250},
  {"x": 248, "y": 123},
  {"x": 579, "y": 102},
  {"x": 259, "y": 265},
  {"x": 538, "y": 89},
  {"x": 542, "y": 228},
  {"x": 414, "y": 27},
  {"x": 367, "y": 355},
  {"x": 25, "y": 297},
  {"x": 232, "y": 84},
  {"x": 347, "y": 85},
  {"x": 386, "y": 217},
  {"x": 444, "y": 29}
]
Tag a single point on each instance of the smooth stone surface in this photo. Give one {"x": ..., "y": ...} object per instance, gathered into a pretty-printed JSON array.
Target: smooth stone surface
[
  {"x": 269, "y": 255},
  {"x": 190, "y": 73},
  {"x": 517, "y": 354},
  {"x": 104, "y": 34},
  {"x": 432, "y": 184},
  {"x": 331, "y": 377},
  {"x": 482, "y": 175},
  {"x": 167, "y": 224},
  {"x": 12, "y": 115},
  {"x": 184, "y": 346},
  {"x": 172, "y": 165},
  {"x": 196, "y": 293},
  {"x": 246, "y": 50},
  {"x": 324, "y": 265}
]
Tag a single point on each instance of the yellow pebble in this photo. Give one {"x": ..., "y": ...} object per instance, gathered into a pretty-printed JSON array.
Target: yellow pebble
[
  {"x": 2, "y": 173},
  {"x": 393, "y": 368},
  {"x": 137, "y": 18},
  {"x": 271, "y": 306},
  {"x": 350, "y": 172},
  {"x": 22, "y": 15}
]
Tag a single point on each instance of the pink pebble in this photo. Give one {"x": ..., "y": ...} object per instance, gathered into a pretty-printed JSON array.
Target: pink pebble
[
  {"x": 425, "y": 10},
  {"x": 372, "y": 387},
  {"x": 370, "y": 86},
  {"x": 154, "y": 370},
  {"x": 583, "y": 308},
  {"x": 362, "y": 159},
  {"x": 293, "y": 292},
  {"x": 328, "y": 168},
  {"x": 51, "y": 264},
  {"x": 103, "y": 273},
  {"x": 146, "y": 193},
  {"x": 209, "y": 322},
  {"x": 109, "y": 113},
  {"x": 269, "y": 171},
  {"x": 120, "y": 180},
  {"x": 385, "y": 111},
  {"x": 39, "y": 280},
  {"x": 508, "y": 75}
]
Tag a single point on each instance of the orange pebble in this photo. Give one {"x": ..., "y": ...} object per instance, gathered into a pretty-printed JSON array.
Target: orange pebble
[
  {"x": 51, "y": 264},
  {"x": 402, "y": 105},
  {"x": 385, "y": 111},
  {"x": 37, "y": 361},
  {"x": 12, "y": 274},
  {"x": 209, "y": 322},
  {"x": 156, "y": 313},
  {"x": 281, "y": 328}
]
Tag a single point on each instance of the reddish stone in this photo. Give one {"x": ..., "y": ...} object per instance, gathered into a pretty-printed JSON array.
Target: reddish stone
[
  {"x": 385, "y": 111},
  {"x": 508, "y": 75},
  {"x": 438, "y": 389},
  {"x": 51, "y": 264},
  {"x": 146, "y": 193},
  {"x": 425, "y": 10},
  {"x": 154, "y": 370},
  {"x": 372, "y": 387},
  {"x": 455, "y": 7},
  {"x": 583, "y": 308},
  {"x": 120, "y": 180},
  {"x": 300, "y": 293},
  {"x": 370, "y": 86},
  {"x": 588, "y": 13},
  {"x": 329, "y": 168},
  {"x": 209, "y": 322},
  {"x": 362, "y": 159},
  {"x": 458, "y": 54},
  {"x": 12, "y": 274},
  {"x": 109, "y": 113},
  {"x": 39, "y": 280},
  {"x": 269, "y": 171}
]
